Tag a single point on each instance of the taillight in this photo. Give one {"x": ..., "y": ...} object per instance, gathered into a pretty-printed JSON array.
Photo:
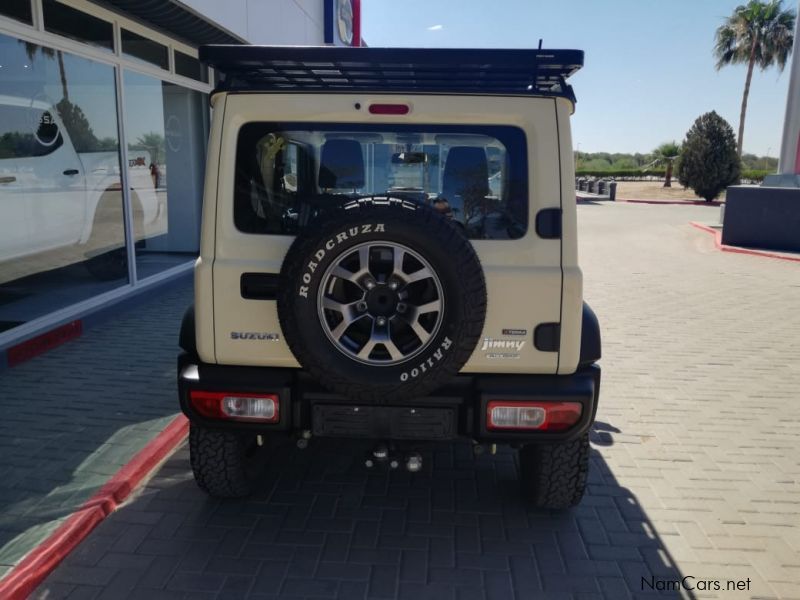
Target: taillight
[
  {"x": 263, "y": 408},
  {"x": 541, "y": 416},
  {"x": 388, "y": 109}
]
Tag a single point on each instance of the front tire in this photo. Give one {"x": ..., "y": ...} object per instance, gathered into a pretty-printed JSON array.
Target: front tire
[
  {"x": 553, "y": 476},
  {"x": 224, "y": 463}
]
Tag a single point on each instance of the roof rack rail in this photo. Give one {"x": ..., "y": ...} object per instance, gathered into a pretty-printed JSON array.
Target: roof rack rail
[{"x": 536, "y": 72}]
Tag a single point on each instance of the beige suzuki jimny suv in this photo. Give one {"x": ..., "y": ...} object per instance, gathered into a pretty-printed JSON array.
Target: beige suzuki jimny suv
[{"x": 389, "y": 251}]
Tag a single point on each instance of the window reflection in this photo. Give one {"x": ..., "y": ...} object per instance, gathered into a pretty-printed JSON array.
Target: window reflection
[
  {"x": 61, "y": 228},
  {"x": 166, "y": 126}
]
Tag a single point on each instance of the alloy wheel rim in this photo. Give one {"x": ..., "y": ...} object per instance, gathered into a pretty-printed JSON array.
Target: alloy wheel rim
[{"x": 380, "y": 303}]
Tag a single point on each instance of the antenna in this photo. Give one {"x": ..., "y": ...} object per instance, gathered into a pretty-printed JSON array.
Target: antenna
[{"x": 540, "y": 43}]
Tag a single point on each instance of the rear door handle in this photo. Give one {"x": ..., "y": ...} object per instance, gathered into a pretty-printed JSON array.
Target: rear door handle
[
  {"x": 9, "y": 179},
  {"x": 71, "y": 172}
]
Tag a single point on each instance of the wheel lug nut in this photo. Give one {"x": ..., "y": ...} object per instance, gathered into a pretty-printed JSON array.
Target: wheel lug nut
[
  {"x": 370, "y": 284},
  {"x": 381, "y": 321},
  {"x": 393, "y": 285},
  {"x": 361, "y": 306},
  {"x": 401, "y": 307}
]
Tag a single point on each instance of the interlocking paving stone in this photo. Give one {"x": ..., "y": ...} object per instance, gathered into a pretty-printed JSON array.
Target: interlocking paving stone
[
  {"x": 694, "y": 465},
  {"x": 74, "y": 416}
]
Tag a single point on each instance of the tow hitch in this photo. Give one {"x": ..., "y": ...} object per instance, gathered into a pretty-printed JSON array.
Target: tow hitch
[{"x": 386, "y": 454}]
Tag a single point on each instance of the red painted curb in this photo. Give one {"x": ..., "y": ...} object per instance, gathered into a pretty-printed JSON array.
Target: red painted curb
[
  {"x": 40, "y": 344},
  {"x": 735, "y": 249},
  {"x": 37, "y": 565}
]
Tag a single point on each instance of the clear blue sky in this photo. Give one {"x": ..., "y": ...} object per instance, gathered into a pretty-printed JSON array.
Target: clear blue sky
[{"x": 648, "y": 75}]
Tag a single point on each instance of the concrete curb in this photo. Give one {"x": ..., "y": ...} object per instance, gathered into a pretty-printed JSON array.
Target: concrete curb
[
  {"x": 674, "y": 202},
  {"x": 736, "y": 249},
  {"x": 24, "y": 578},
  {"x": 662, "y": 202}
]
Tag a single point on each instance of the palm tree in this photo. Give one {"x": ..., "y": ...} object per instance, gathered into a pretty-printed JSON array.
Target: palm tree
[
  {"x": 153, "y": 142},
  {"x": 757, "y": 33},
  {"x": 666, "y": 154},
  {"x": 32, "y": 49}
]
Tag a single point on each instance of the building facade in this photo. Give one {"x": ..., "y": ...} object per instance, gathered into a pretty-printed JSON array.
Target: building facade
[{"x": 104, "y": 117}]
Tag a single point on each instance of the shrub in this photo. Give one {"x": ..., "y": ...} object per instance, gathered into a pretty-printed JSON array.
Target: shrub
[
  {"x": 709, "y": 162},
  {"x": 621, "y": 173},
  {"x": 755, "y": 175}
]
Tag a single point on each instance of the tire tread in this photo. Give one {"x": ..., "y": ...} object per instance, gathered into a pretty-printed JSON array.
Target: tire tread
[
  {"x": 469, "y": 272},
  {"x": 554, "y": 475},
  {"x": 219, "y": 462}
]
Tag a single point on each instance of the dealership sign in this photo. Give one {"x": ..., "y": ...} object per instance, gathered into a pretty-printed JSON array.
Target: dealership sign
[{"x": 343, "y": 22}]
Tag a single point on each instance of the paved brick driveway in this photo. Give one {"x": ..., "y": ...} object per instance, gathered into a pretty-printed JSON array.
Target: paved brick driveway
[
  {"x": 694, "y": 469},
  {"x": 74, "y": 416}
]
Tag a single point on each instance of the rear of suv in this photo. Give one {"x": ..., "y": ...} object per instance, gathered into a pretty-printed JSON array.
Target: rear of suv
[{"x": 389, "y": 251}]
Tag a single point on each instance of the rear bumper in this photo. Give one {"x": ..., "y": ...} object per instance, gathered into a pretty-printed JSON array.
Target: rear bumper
[{"x": 457, "y": 410}]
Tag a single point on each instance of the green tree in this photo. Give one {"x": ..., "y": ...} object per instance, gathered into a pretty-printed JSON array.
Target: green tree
[
  {"x": 596, "y": 164},
  {"x": 666, "y": 154},
  {"x": 709, "y": 161},
  {"x": 757, "y": 33},
  {"x": 624, "y": 163}
]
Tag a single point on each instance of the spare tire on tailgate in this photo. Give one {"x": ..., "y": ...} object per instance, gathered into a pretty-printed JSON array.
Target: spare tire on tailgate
[{"x": 382, "y": 302}]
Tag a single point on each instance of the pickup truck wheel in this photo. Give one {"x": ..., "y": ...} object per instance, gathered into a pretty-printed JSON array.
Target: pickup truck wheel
[
  {"x": 554, "y": 475},
  {"x": 224, "y": 463},
  {"x": 108, "y": 229},
  {"x": 383, "y": 302}
]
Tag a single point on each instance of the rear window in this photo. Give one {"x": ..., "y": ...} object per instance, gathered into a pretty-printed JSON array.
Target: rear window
[{"x": 289, "y": 174}]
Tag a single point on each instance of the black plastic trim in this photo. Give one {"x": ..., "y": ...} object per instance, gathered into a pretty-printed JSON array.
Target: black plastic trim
[
  {"x": 539, "y": 72},
  {"x": 466, "y": 395},
  {"x": 591, "y": 347},
  {"x": 547, "y": 337},
  {"x": 259, "y": 286},
  {"x": 548, "y": 223},
  {"x": 187, "y": 339},
  {"x": 583, "y": 386}
]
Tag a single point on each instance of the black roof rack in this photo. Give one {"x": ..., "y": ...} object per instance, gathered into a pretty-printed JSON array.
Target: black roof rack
[{"x": 330, "y": 68}]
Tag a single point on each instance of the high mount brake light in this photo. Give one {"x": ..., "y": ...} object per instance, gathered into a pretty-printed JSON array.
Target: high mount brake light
[
  {"x": 264, "y": 408},
  {"x": 539, "y": 416},
  {"x": 389, "y": 109}
]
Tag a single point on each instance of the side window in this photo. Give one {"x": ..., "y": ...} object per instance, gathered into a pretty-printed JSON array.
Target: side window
[
  {"x": 28, "y": 132},
  {"x": 290, "y": 169},
  {"x": 270, "y": 172}
]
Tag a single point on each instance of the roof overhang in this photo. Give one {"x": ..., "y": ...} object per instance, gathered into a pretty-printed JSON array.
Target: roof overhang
[{"x": 174, "y": 18}]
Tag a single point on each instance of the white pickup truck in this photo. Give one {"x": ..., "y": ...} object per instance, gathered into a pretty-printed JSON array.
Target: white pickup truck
[{"x": 59, "y": 206}]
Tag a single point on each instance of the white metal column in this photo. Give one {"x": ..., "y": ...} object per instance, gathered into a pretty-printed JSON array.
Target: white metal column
[
  {"x": 130, "y": 242},
  {"x": 791, "y": 124}
]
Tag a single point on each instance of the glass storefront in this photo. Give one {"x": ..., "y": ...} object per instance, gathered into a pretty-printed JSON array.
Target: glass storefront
[
  {"x": 62, "y": 215},
  {"x": 166, "y": 126},
  {"x": 61, "y": 227}
]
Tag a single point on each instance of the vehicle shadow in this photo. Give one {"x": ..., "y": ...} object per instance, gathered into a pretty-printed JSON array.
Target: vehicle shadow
[{"x": 322, "y": 524}]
